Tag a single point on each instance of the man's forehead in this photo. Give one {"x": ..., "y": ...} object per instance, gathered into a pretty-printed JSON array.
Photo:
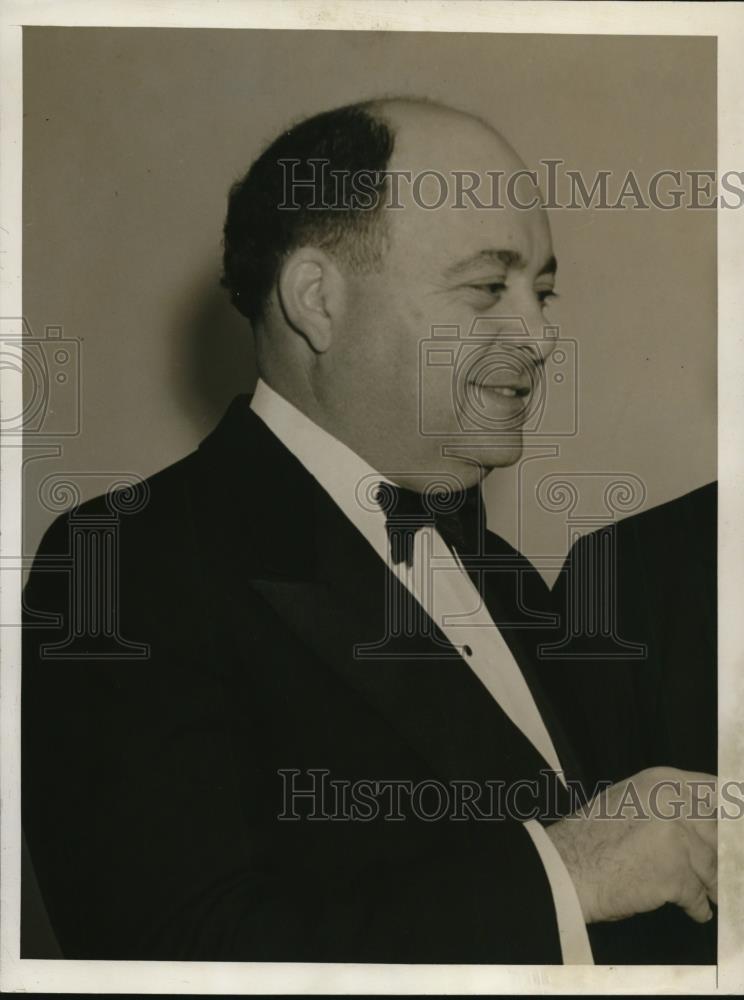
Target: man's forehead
[
  {"x": 439, "y": 153},
  {"x": 454, "y": 241}
]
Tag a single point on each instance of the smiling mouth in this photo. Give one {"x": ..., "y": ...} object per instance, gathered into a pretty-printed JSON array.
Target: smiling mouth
[{"x": 503, "y": 390}]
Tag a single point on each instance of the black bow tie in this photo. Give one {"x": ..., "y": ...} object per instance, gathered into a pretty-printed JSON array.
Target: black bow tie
[{"x": 458, "y": 517}]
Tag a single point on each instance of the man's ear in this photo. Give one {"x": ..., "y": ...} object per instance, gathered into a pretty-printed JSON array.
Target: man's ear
[{"x": 311, "y": 294}]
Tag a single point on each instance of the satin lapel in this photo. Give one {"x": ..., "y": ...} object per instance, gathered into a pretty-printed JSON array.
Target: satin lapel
[
  {"x": 278, "y": 533},
  {"x": 520, "y": 603}
]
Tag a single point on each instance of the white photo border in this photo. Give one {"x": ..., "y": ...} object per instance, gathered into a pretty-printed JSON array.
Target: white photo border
[{"x": 720, "y": 20}]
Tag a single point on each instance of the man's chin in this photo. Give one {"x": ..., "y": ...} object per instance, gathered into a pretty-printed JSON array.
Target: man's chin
[
  {"x": 502, "y": 456},
  {"x": 489, "y": 452}
]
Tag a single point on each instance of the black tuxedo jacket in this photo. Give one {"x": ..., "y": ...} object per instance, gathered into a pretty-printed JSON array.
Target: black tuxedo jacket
[
  {"x": 155, "y": 728},
  {"x": 634, "y": 708},
  {"x": 651, "y": 700}
]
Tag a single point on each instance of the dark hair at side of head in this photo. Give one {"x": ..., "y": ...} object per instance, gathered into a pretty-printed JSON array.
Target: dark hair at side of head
[{"x": 268, "y": 217}]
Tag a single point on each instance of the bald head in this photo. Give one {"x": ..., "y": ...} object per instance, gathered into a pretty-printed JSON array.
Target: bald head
[
  {"x": 427, "y": 132},
  {"x": 444, "y": 160}
]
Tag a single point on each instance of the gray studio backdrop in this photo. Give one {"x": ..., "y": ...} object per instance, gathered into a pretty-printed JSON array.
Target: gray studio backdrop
[{"x": 132, "y": 137}]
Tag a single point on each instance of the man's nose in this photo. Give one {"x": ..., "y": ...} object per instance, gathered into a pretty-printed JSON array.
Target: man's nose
[{"x": 530, "y": 336}]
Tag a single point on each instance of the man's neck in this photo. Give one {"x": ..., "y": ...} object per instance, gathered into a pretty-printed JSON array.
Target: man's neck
[{"x": 411, "y": 474}]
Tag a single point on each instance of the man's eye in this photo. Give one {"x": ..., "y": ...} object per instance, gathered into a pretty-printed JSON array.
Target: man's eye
[
  {"x": 546, "y": 294},
  {"x": 491, "y": 287}
]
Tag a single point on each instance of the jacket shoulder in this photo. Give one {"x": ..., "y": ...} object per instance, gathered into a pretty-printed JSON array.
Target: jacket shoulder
[
  {"x": 686, "y": 520},
  {"x": 134, "y": 506}
]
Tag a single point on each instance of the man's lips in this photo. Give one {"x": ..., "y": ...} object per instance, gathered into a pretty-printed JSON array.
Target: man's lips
[{"x": 510, "y": 390}]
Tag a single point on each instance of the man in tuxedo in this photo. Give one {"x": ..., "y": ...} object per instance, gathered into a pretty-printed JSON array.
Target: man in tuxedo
[{"x": 310, "y": 603}]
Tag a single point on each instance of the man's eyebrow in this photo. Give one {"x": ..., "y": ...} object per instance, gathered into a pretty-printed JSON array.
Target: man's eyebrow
[{"x": 509, "y": 258}]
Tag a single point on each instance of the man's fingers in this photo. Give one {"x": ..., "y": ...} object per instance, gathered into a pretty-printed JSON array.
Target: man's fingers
[
  {"x": 705, "y": 829},
  {"x": 695, "y": 903},
  {"x": 712, "y": 891},
  {"x": 704, "y": 862},
  {"x": 704, "y": 802},
  {"x": 702, "y": 806}
]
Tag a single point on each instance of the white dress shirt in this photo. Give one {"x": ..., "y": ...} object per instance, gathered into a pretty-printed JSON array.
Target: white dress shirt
[{"x": 446, "y": 593}]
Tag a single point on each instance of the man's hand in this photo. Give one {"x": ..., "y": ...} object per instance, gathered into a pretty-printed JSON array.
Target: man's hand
[{"x": 623, "y": 864}]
